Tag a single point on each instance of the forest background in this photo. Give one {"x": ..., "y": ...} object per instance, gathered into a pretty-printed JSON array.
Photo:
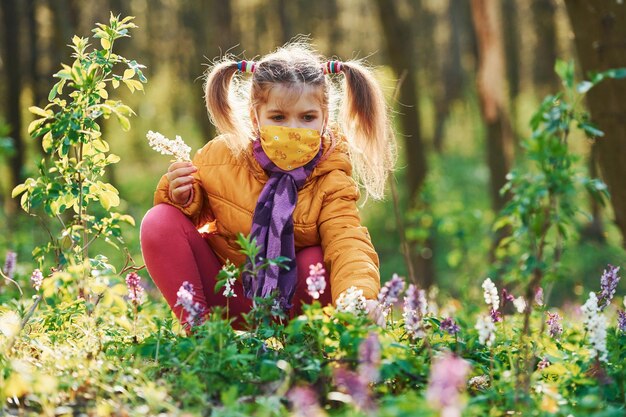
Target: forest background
[{"x": 463, "y": 79}]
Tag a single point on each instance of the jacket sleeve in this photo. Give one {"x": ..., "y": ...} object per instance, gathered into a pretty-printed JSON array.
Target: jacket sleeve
[
  {"x": 347, "y": 247},
  {"x": 197, "y": 208}
]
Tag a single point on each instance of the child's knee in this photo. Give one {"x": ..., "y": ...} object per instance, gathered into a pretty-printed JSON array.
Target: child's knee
[{"x": 159, "y": 222}]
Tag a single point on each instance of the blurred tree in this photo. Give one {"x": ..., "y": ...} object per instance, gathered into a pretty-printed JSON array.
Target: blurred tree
[
  {"x": 544, "y": 21},
  {"x": 492, "y": 91},
  {"x": 600, "y": 37},
  {"x": 34, "y": 76},
  {"x": 512, "y": 44},
  {"x": 397, "y": 33},
  {"x": 11, "y": 58},
  {"x": 454, "y": 76}
]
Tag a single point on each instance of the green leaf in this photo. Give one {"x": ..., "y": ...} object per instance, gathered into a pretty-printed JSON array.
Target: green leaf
[
  {"x": 565, "y": 71},
  {"x": 124, "y": 122}
]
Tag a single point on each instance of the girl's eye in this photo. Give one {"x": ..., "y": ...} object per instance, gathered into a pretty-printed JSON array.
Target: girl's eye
[
  {"x": 309, "y": 118},
  {"x": 277, "y": 118}
]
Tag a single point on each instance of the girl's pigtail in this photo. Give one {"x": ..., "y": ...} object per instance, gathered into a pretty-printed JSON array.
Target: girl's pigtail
[
  {"x": 365, "y": 121},
  {"x": 220, "y": 99}
]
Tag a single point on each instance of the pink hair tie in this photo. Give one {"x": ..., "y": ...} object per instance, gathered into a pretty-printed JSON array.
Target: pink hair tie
[
  {"x": 332, "y": 67},
  {"x": 246, "y": 66}
]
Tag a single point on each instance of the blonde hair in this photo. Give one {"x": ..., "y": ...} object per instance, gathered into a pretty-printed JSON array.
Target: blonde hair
[{"x": 363, "y": 117}]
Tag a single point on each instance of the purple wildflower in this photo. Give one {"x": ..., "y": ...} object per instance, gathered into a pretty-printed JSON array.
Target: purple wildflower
[
  {"x": 185, "y": 299},
  {"x": 507, "y": 296},
  {"x": 36, "y": 279},
  {"x": 415, "y": 307},
  {"x": 370, "y": 357},
  {"x": 390, "y": 293},
  {"x": 608, "y": 284},
  {"x": 621, "y": 321},
  {"x": 539, "y": 296},
  {"x": 356, "y": 387},
  {"x": 449, "y": 326},
  {"x": 447, "y": 381},
  {"x": 544, "y": 363},
  {"x": 135, "y": 290},
  {"x": 316, "y": 283},
  {"x": 304, "y": 402},
  {"x": 554, "y": 321},
  {"x": 496, "y": 316},
  {"x": 9, "y": 264}
]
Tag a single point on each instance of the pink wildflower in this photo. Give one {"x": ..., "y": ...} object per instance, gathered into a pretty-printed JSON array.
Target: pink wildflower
[
  {"x": 135, "y": 290},
  {"x": 36, "y": 279},
  {"x": 304, "y": 402},
  {"x": 370, "y": 357},
  {"x": 621, "y": 321},
  {"x": 9, "y": 264},
  {"x": 608, "y": 284},
  {"x": 390, "y": 293},
  {"x": 356, "y": 387},
  {"x": 185, "y": 299},
  {"x": 554, "y": 321},
  {"x": 449, "y": 326},
  {"x": 447, "y": 381}
]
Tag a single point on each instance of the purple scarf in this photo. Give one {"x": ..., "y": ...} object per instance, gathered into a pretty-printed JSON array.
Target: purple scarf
[{"x": 272, "y": 227}]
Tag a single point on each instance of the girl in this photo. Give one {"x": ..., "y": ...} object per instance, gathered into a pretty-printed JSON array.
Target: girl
[{"x": 281, "y": 171}]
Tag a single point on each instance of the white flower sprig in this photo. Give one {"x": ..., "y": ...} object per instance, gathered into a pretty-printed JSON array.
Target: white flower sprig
[
  {"x": 352, "y": 301},
  {"x": 491, "y": 294},
  {"x": 177, "y": 148},
  {"x": 595, "y": 323}
]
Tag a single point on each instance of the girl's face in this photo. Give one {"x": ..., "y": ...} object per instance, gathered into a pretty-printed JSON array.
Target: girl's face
[{"x": 292, "y": 107}]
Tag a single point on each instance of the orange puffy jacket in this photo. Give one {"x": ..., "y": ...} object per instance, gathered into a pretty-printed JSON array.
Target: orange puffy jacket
[{"x": 226, "y": 191}]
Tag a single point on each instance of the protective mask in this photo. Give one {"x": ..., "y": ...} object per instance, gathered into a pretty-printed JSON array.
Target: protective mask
[{"x": 290, "y": 147}]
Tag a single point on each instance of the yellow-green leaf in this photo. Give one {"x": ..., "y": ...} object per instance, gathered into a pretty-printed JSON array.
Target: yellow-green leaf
[
  {"x": 40, "y": 112},
  {"x": 19, "y": 189},
  {"x": 129, "y": 73},
  {"x": 115, "y": 83},
  {"x": 130, "y": 85},
  {"x": 124, "y": 122},
  {"x": 105, "y": 43},
  {"x": 103, "y": 93},
  {"x": 100, "y": 145},
  {"x": 35, "y": 124},
  {"x": 46, "y": 142}
]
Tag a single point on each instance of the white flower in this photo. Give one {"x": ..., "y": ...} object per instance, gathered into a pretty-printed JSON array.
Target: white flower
[
  {"x": 166, "y": 146},
  {"x": 486, "y": 330},
  {"x": 316, "y": 283},
  {"x": 595, "y": 323},
  {"x": 491, "y": 294},
  {"x": 520, "y": 304},
  {"x": 229, "y": 291},
  {"x": 352, "y": 301}
]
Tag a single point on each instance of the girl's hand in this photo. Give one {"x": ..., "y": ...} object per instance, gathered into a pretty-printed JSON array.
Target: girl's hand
[
  {"x": 181, "y": 181},
  {"x": 375, "y": 312}
]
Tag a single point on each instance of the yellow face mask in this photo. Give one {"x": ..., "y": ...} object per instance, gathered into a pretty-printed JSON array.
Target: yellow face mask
[{"x": 290, "y": 147}]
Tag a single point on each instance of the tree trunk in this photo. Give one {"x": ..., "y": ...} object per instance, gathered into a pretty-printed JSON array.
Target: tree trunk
[
  {"x": 600, "y": 37},
  {"x": 453, "y": 76},
  {"x": 544, "y": 77},
  {"x": 492, "y": 91},
  {"x": 397, "y": 33},
  {"x": 10, "y": 17},
  {"x": 594, "y": 230},
  {"x": 512, "y": 42}
]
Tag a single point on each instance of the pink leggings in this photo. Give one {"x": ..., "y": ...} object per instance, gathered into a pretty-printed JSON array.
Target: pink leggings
[{"x": 174, "y": 252}]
